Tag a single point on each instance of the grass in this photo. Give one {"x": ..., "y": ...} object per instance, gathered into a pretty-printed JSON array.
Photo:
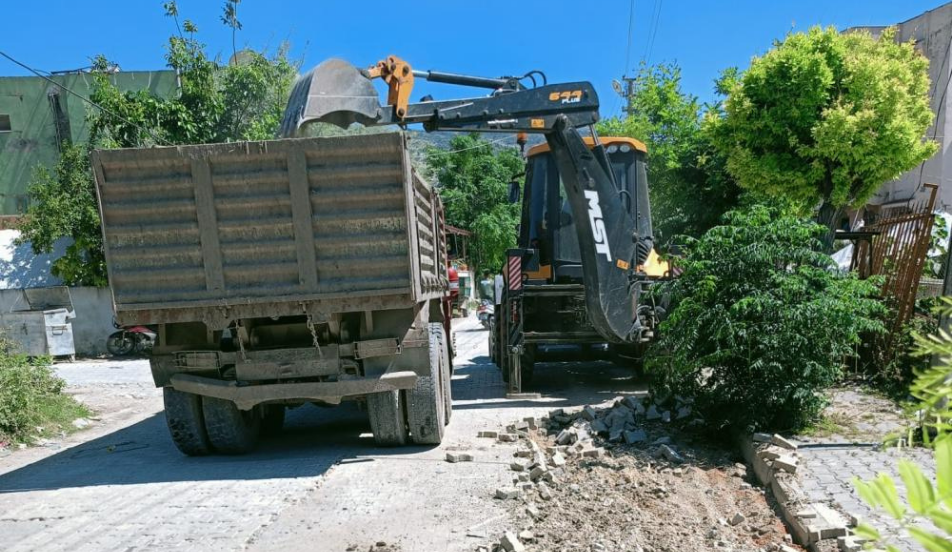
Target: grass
[
  {"x": 32, "y": 403},
  {"x": 831, "y": 423}
]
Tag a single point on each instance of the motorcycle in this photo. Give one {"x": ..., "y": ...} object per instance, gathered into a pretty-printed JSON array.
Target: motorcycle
[
  {"x": 130, "y": 339},
  {"x": 484, "y": 313}
]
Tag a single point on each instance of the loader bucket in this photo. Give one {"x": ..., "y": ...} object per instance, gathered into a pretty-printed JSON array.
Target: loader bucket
[{"x": 334, "y": 92}]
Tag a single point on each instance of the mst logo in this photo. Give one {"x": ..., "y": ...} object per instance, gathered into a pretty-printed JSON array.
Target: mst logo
[{"x": 599, "y": 234}]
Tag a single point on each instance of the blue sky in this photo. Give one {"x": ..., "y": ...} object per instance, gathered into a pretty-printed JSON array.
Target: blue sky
[{"x": 567, "y": 40}]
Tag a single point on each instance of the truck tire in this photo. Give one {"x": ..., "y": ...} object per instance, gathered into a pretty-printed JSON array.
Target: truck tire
[
  {"x": 387, "y": 420},
  {"x": 183, "y": 414},
  {"x": 426, "y": 407},
  {"x": 230, "y": 430},
  {"x": 273, "y": 421},
  {"x": 447, "y": 377}
]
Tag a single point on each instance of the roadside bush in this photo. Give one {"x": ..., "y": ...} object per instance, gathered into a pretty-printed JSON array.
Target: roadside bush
[
  {"x": 761, "y": 322},
  {"x": 31, "y": 396}
]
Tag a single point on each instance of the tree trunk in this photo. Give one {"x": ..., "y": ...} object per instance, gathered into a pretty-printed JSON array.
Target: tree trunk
[{"x": 829, "y": 216}]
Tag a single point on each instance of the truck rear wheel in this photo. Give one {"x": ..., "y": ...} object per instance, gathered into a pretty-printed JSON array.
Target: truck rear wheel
[
  {"x": 230, "y": 430},
  {"x": 183, "y": 414},
  {"x": 387, "y": 420},
  {"x": 426, "y": 406}
]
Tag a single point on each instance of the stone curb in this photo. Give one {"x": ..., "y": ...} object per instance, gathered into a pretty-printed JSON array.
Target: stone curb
[{"x": 775, "y": 462}]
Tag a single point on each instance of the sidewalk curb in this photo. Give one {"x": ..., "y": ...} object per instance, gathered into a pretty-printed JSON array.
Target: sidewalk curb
[{"x": 775, "y": 463}]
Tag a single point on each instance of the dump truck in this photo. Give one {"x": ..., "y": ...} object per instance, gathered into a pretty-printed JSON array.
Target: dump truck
[{"x": 279, "y": 273}]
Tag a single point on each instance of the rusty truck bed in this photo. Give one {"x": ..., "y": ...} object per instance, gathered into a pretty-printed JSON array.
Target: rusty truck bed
[{"x": 272, "y": 228}]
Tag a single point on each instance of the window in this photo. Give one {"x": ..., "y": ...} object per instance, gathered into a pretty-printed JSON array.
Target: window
[{"x": 5, "y": 123}]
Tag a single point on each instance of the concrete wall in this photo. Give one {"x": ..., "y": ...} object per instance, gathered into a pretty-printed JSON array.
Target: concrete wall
[{"x": 93, "y": 322}]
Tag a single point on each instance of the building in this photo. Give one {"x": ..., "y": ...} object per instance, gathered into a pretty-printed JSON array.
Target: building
[
  {"x": 932, "y": 33},
  {"x": 36, "y": 116}
]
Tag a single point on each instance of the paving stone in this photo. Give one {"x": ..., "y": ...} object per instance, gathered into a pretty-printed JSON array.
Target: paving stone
[
  {"x": 636, "y": 436},
  {"x": 652, "y": 413},
  {"x": 510, "y": 543},
  {"x": 557, "y": 460},
  {"x": 507, "y": 493},
  {"x": 670, "y": 454},
  {"x": 517, "y": 466},
  {"x": 787, "y": 463},
  {"x": 666, "y": 416},
  {"x": 454, "y": 457},
  {"x": 761, "y": 437},
  {"x": 508, "y": 438},
  {"x": 488, "y": 434},
  {"x": 595, "y": 452},
  {"x": 589, "y": 413},
  {"x": 599, "y": 427},
  {"x": 534, "y": 512},
  {"x": 545, "y": 493},
  {"x": 783, "y": 443}
]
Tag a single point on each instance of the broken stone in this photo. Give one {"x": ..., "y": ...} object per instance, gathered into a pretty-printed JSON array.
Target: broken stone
[
  {"x": 510, "y": 543},
  {"x": 770, "y": 453},
  {"x": 537, "y": 472},
  {"x": 526, "y": 536},
  {"x": 594, "y": 452},
  {"x": 662, "y": 441},
  {"x": 488, "y": 434},
  {"x": 454, "y": 457},
  {"x": 636, "y": 436},
  {"x": 666, "y": 416},
  {"x": 589, "y": 413},
  {"x": 533, "y": 512},
  {"x": 78, "y": 423},
  {"x": 670, "y": 454},
  {"x": 614, "y": 435},
  {"x": 517, "y": 466},
  {"x": 557, "y": 460},
  {"x": 738, "y": 519},
  {"x": 652, "y": 413},
  {"x": 599, "y": 427},
  {"x": 507, "y": 438},
  {"x": 634, "y": 404},
  {"x": 784, "y": 443},
  {"x": 525, "y": 485},
  {"x": 567, "y": 437},
  {"x": 684, "y": 412},
  {"x": 531, "y": 422},
  {"x": 677, "y": 472},
  {"x": 761, "y": 437},
  {"x": 523, "y": 454},
  {"x": 787, "y": 463},
  {"x": 522, "y": 477},
  {"x": 545, "y": 493},
  {"x": 507, "y": 493}
]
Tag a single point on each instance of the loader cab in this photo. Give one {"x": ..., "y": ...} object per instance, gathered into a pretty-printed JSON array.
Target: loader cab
[{"x": 547, "y": 224}]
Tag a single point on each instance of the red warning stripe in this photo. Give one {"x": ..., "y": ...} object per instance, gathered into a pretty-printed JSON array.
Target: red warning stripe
[{"x": 515, "y": 273}]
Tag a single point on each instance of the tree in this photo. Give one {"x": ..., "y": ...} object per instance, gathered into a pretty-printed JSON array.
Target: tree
[
  {"x": 760, "y": 322},
  {"x": 473, "y": 181},
  {"x": 826, "y": 118},
  {"x": 243, "y": 100},
  {"x": 689, "y": 186}
]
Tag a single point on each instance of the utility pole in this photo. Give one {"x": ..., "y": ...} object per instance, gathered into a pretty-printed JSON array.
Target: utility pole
[{"x": 626, "y": 91}]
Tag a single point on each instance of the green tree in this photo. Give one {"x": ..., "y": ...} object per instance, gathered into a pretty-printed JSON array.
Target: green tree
[
  {"x": 473, "y": 181},
  {"x": 688, "y": 184},
  {"x": 760, "y": 322},
  {"x": 825, "y": 118},
  {"x": 243, "y": 100}
]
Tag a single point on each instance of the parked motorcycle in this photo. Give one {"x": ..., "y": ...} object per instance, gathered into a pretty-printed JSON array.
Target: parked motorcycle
[
  {"x": 130, "y": 339},
  {"x": 484, "y": 312}
]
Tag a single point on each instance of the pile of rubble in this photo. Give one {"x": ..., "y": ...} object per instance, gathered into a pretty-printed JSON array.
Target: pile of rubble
[{"x": 624, "y": 475}]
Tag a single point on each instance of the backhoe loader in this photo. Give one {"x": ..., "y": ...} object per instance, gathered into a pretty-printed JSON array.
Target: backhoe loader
[{"x": 601, "y": 213}]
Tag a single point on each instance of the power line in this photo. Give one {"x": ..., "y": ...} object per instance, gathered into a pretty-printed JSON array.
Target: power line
[
  {"x": 87, "y": 100},
  {"x": 654, "y": 32},
  {"x": 631, "y": 19}
]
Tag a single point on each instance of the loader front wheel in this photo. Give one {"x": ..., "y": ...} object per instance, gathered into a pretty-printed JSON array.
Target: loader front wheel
[
  {"x": 426, "y": 407},
  {"x": 183, "y": 414},
  {"x": 387, "y": 420},
  {"x": 230, "y": 430}
]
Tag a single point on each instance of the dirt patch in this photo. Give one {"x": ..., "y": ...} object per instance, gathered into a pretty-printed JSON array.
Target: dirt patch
[
  {"x": 856, "y": 414},
  {"x": 669, "y": 491}
]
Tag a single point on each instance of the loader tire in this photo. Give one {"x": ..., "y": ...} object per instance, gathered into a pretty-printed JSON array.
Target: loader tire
[
  {"x": 273, "y": 421},
  {"x": 230, "y": 430},
  {"x": 183, "y": 414},
  {"x": 426, "y": 406},
  {"x": 387, "y": 420}
]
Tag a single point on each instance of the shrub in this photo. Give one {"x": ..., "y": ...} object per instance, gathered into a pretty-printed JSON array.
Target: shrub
[
  {"x": 761, "y": 322},
  {"x": 31, "y": 396}
]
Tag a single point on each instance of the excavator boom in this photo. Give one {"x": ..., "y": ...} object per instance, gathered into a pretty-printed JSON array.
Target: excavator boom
[{"x": 611, "y": 250}]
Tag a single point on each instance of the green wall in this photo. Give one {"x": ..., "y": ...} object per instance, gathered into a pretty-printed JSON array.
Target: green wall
[{"x": 32, "y": 140}]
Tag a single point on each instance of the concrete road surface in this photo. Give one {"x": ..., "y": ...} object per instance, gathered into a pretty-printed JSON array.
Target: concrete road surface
[{"x": 322, "y": 485}]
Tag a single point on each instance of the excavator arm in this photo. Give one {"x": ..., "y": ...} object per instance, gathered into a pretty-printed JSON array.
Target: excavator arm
[{"x": 611, "y": 250}]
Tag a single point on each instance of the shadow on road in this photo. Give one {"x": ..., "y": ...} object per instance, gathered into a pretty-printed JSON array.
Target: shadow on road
[{"x": 314, "y": 438}]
